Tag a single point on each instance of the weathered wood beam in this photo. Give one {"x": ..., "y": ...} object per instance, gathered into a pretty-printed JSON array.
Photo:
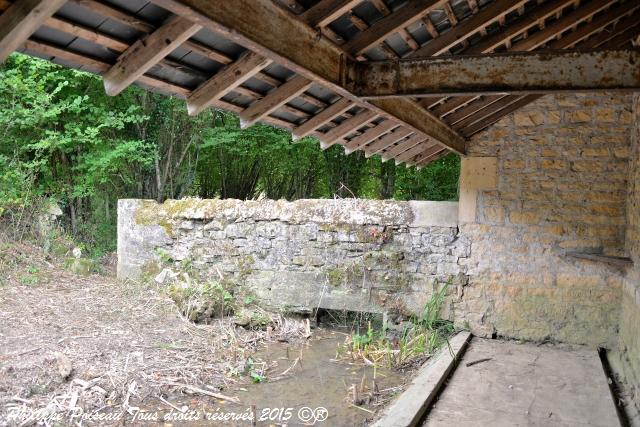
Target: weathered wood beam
[
  {"x": 414, "y": 151},
  {"x": 346, "y": 127},
  {"x": 398, "y": 149},
  {"x": 491, "y": 13},
  {"x": 431, "y": 159},
  {"x": 425, "y": 156},
  {"x": 324, "y": 116},
  {"x": 534, "y": 17},
  {"x": 226, "y": 80},
  {"x": 21, "y": 20},
  {"x": 413, "y": 11},
  {"x": 516, "y": 73},
  {"x": 327, "y": 11},
  {"x": 567, "y": 21},
  {"x": 597, "y": 24},
  {"x": 96, "y": 66},
  {"x": 295, "y": 45},
  {"x": 412, "y": 113},
  {"x": 494, "y": 110},
  {"x": 144, "y": 54},
  {"x": 386, "y": 141},
  {"x": 368, "y": 136},
  {"x": 274, "y": 100}
]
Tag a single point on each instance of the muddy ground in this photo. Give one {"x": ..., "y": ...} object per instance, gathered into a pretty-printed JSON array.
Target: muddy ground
[{"x": 95, "y": 351}]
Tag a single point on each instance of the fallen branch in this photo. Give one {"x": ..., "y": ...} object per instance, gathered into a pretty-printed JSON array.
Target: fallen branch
[{"x": 206, "y": 392}]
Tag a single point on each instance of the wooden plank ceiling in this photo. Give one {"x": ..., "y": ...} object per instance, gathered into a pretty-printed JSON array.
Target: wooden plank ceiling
[{"x": 143, "y": 42}]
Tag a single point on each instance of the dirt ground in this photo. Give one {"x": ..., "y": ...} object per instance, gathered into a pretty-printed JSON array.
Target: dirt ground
[
  {"x": 78, "y": 351},
  {"x": 91, "y": 350}
]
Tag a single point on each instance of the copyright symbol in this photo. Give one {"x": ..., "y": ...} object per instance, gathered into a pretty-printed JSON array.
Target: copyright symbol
[{"x": 308, "y": 415}]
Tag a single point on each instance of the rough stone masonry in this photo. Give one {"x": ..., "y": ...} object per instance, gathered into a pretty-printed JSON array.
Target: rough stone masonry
[{"x": 359, "y": 255}]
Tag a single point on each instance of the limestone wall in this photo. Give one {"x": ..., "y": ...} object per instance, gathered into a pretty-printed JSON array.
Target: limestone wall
[
  {"x": 560, "y": 170},
  {"x": 337, "y": 254},
  {"x": 629, "y": 339}
]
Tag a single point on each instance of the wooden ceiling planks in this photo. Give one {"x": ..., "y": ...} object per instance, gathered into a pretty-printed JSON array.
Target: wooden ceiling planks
[{"x": 479, "y": 28}]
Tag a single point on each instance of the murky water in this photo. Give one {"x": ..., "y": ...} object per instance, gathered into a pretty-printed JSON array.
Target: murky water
[
  {"x": 316, "y": 390},
  {"x": 317, "y": 383}
]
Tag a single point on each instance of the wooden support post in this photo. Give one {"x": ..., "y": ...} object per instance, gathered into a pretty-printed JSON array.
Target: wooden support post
[
  {"x": 274, "y": 100},
  {"x": 144, "y": 54},
  {"x": 229, "y": 78},
  {"x": 21, "y": 20}
]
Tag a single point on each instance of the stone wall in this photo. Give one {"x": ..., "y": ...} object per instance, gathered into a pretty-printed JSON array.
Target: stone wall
[
  {"x": 561, "y": 170},
  {"x": 628, "y": 357},
  {"x": 338, "y": 254}
]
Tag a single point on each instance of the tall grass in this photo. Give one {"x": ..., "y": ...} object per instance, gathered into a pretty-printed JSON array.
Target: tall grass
[{"x": 425, "y": 334}]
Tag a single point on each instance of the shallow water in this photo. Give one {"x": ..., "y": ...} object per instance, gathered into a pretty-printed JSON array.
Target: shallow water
[{"x": 317, "y": 382}]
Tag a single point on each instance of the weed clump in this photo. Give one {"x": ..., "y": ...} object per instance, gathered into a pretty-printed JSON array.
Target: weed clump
[
  {"x": 202, "y": 302},
  {"x": 413, "y": 343}
]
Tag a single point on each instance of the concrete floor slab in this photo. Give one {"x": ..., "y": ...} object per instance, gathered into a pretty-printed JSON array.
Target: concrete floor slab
[{"x": 525, "y": 385}]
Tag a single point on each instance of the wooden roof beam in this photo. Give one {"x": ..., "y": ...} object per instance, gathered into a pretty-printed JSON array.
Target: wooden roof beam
[
  {"x": 424, "y": 162},
  {"x": 21, "y": 20},
  {"x": 425, "y": 155},
  {"x": 477, "y": 119},
  {"x": 324, "y": 116},
  {"x": 346, "y": 127},
  {"x": 516, "y": 73},
  {"x": 609, "y": 16},
  {"x": 274, "y": 100},
  {"x": 558, "y": 27},
  {"x": 144, "y": 54},
  {"x": 396, "y": 150},
  {"x": 296, "y": 45},
  {"x": 413, "y": 11},
  {"x": 386, "y": 141},
  {"x": 537, "y": 15},
  {"x": 326, "y": 11},
  {"x": 226, "y": 80},
  {"x": 414, "y": 151},
  {"x": 485, "y": 16},
  {"x": 369, "y": 135}
]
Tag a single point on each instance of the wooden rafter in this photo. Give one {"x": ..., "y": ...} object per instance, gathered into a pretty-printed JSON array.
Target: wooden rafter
[
  {"x": 297, "y": 46},
  {"x": 346, "y": 127},
  {"x": 143, "y": 55},
  {"x": 368, "y": 136},
  {"x": 21, "y": 20},
  {"x": 274, "y": 100},
  {"x": 549, "y": 32},
  {"x": 391, "y": 152},
  {"x": 489, "y": 115},
  {"x": 229, "y": 78},
  {"x": 386, "y": 141},
  {"x": 325, "y": 116},
  {"x": 326, "y": 11},
  {"x": 390, "y": 24},
  {"x": 468, "y": 27}
]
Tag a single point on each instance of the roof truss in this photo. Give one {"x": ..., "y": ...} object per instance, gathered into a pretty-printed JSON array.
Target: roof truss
[{"x": 266, "y": 64}]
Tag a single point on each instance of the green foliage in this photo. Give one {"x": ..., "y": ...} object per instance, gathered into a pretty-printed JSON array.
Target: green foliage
[
  {"x": 64, "y": 139},
  {"x": 423, "y": 335}
]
